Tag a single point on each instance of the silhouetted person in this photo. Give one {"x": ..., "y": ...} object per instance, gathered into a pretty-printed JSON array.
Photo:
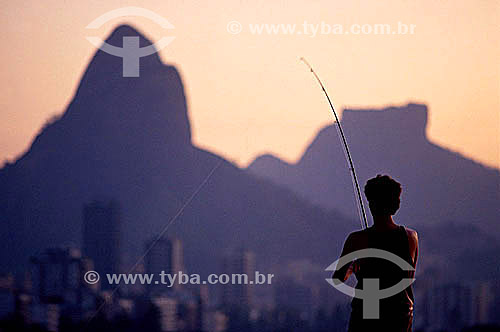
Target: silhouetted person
[{"x": 396, "y": 312}]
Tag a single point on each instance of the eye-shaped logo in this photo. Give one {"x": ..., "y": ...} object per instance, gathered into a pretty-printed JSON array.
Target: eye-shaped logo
[
  {"x": 371, "y": 292},
  {"x": 131, "y": 52}
]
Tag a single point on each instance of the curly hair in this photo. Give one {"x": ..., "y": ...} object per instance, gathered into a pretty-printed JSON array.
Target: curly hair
[{"x": 383, "y": 195}]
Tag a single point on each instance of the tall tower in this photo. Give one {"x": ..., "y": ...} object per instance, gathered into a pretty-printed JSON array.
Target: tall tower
[
  {"x": 239, "y": 262},
  {"x": 57, "y": 276},
  {"x": 57, "y": 279},
  {"x": 177, "y": 256},
  {"x": 101, "y": 237},
  {"x": 164, "y": 255}
]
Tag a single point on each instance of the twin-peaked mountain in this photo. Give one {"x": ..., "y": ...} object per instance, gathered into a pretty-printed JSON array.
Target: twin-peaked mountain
[{"x": 128, "y": 139}]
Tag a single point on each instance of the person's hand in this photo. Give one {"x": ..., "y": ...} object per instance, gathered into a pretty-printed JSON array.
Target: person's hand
[{"x": 355, "y": 267}]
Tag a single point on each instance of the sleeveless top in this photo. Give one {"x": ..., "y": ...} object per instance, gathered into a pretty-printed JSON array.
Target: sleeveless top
[{"x": 388, "y": 273}]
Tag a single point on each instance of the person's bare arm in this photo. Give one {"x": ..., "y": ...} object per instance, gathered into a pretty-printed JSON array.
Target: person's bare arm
[
  {"x": 345, "y": 271},
  {"x": 413, "y": 244}
]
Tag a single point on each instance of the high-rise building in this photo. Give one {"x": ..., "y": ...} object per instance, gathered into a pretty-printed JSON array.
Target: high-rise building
[
  {"x": 168, "y": 312},
  {"x": 241, "y": 262},
  {"x": 24, "y": 307},
  {"x": 57, "y": 282},
  {"x": 215, "y": 321},
  {"x": 7, "y": 296},
  {"x": 101, "y": 237},
  {"x": 483, "y": 299},
  {"x": 57, "y": 276},
  {"x": 450, "y": 307},
  {"x": 164, "y": 255},
  {"x": 177, "y": 256},
  {"x": 292, "y": 295}
]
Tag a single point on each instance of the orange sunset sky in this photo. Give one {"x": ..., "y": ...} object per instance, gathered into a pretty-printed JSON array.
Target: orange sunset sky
[{"x": 247, "y": 93}]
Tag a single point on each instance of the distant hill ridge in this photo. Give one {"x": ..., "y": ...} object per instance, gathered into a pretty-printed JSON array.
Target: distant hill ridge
[{"x": 439, "y": 186}]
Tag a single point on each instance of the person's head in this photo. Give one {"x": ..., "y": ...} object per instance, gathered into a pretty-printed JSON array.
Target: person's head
[{"x": 382, "y": 193}]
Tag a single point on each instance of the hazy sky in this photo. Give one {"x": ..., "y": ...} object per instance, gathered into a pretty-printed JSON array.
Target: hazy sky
[{"x": 248, "y": 93}]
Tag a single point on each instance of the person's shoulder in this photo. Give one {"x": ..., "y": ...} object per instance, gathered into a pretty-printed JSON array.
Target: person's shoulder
[
  {"x": 412, "y": 234},
  {"x": 357, "y": 235},
  {"x": 356, "y": 240}
]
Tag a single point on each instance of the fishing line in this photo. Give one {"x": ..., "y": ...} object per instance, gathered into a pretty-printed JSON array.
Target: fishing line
[{"x": 161, "y": 234}]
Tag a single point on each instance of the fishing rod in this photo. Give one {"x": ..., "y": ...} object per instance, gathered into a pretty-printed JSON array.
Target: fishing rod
[{"x": 361, "y": 207}]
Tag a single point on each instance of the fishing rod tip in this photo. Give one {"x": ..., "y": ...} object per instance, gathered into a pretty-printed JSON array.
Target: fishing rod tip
[{"x": 305, "y": 61}]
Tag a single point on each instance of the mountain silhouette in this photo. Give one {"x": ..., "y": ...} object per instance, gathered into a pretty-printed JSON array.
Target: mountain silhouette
[
  {"x": 438, "y": 185},
  {"x": 447, "y": 197},
  {"x": 128, "y": 139}
]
